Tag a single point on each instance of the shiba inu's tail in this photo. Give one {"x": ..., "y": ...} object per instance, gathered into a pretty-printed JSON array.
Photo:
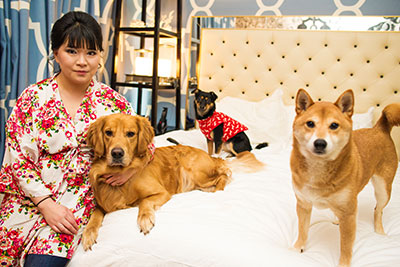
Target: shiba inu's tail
[
  {"x": 390, "y": 117},
  {"x": 245, "y": 162}
]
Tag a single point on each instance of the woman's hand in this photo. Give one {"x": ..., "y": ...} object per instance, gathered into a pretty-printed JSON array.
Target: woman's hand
[
  {"x": 58, "y": 217},
  {"x": 118, "y": 179}
]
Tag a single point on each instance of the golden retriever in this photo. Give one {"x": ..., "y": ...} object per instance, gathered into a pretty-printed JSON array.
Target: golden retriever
[{"x": 123, "y": 142}]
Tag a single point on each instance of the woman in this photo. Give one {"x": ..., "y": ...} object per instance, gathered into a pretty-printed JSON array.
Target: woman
[{"x": 44, "y": 178}]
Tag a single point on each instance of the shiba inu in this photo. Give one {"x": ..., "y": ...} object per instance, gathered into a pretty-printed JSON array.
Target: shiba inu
[{"x": 331, "y": 164}]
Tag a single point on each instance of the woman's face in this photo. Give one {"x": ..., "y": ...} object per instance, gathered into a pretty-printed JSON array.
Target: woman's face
[{"x": 78, "y": 65}]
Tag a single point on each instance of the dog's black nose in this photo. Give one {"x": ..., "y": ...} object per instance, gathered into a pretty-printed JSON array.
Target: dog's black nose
[
  {"x": 320, "y": 145},
  {"x": 117, "y": 153}
]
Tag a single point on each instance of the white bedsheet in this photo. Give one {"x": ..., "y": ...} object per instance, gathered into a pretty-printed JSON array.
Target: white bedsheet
[{"x": 252, "y": 222}]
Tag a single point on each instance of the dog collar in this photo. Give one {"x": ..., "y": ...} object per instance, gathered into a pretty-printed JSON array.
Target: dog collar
[{"x": 152, "y": 149}]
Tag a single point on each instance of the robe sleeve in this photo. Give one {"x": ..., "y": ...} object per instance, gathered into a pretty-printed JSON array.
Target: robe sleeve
[{"x": 20, "y": 173}]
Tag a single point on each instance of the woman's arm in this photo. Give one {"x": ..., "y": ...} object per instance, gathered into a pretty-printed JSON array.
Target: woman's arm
[
  {"x": 118, "y": 179},
  {"x": 58, "y": 217},
  {"x": 20, "y": 172}
]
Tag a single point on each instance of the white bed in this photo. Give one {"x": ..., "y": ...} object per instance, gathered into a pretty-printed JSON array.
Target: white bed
[{"x": 253, "y": 221}]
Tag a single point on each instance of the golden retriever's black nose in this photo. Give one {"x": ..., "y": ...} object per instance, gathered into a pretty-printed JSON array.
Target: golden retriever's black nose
[
  {"x": 320, "y": 145},
  {"x": 117, "y": 153}
]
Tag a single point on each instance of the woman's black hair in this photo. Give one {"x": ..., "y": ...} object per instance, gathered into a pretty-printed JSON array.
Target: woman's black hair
[{"x": 80, "y": 30}]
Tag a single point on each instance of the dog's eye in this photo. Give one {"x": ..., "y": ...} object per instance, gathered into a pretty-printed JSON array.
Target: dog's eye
[
  {"x": 310, "y": 124},
  {"x": 109, "y": 133},
  {"x": 130, "y": 134},
  {"x": 333, "y": 126}
]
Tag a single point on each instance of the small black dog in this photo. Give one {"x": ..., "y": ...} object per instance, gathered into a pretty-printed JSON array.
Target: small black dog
[{"x": 220, "y": 129}]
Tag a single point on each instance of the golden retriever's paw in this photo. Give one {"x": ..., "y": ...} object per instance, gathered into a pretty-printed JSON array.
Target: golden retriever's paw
[
  {"x": 89, "y": 238},
  {"x": 146, "y": 222}
]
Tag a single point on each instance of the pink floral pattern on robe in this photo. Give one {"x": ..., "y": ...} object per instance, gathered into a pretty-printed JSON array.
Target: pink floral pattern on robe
[{"x": 46, "y": 154}]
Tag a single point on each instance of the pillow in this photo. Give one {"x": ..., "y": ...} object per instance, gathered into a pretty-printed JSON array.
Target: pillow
[
  {"x": 363, "y": 120},
  {"x": 267, "y": 120}
]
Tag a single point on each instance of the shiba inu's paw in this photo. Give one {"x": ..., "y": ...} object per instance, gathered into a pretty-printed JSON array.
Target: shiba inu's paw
[
  {"x": 379, "y": 230},
  {"x": 298, "y": 247},
  {"x": 146, "y": 222}
]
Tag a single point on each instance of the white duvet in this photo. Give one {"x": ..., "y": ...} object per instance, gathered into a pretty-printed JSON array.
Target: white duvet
[{"x": 251, "y": 223}]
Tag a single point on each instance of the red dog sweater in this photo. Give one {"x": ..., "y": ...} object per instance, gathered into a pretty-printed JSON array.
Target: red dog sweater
[{"x": 231, "y": 126}]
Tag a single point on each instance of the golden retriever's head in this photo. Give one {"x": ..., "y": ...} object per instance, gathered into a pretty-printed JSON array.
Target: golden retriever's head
[{"x": 119, "y": 138}]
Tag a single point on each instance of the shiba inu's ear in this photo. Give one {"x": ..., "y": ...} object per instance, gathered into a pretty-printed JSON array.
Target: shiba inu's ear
[
  {"x": 346, "y": 102},
  {"x": 303, "y": 101}
]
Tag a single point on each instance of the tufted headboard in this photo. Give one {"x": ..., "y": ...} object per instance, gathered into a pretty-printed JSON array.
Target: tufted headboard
[{"x": 252, "y": 63}]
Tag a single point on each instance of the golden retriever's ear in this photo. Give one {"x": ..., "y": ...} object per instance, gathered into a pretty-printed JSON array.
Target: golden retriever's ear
[
  {"x": 145, "y": 134},
  {"x": 95, "y": 137},
  {"x": 303, "y": 101}
]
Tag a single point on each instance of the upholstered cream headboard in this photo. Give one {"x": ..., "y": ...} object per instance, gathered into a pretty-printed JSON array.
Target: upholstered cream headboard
[{"x": 252, "y": 63}]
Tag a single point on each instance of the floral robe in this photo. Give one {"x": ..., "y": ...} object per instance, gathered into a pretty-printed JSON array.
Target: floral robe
[{"x": 46, "y": 154}]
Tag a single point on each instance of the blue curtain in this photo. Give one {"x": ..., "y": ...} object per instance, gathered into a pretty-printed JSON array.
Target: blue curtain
[{"x": 25, "y": 27}]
